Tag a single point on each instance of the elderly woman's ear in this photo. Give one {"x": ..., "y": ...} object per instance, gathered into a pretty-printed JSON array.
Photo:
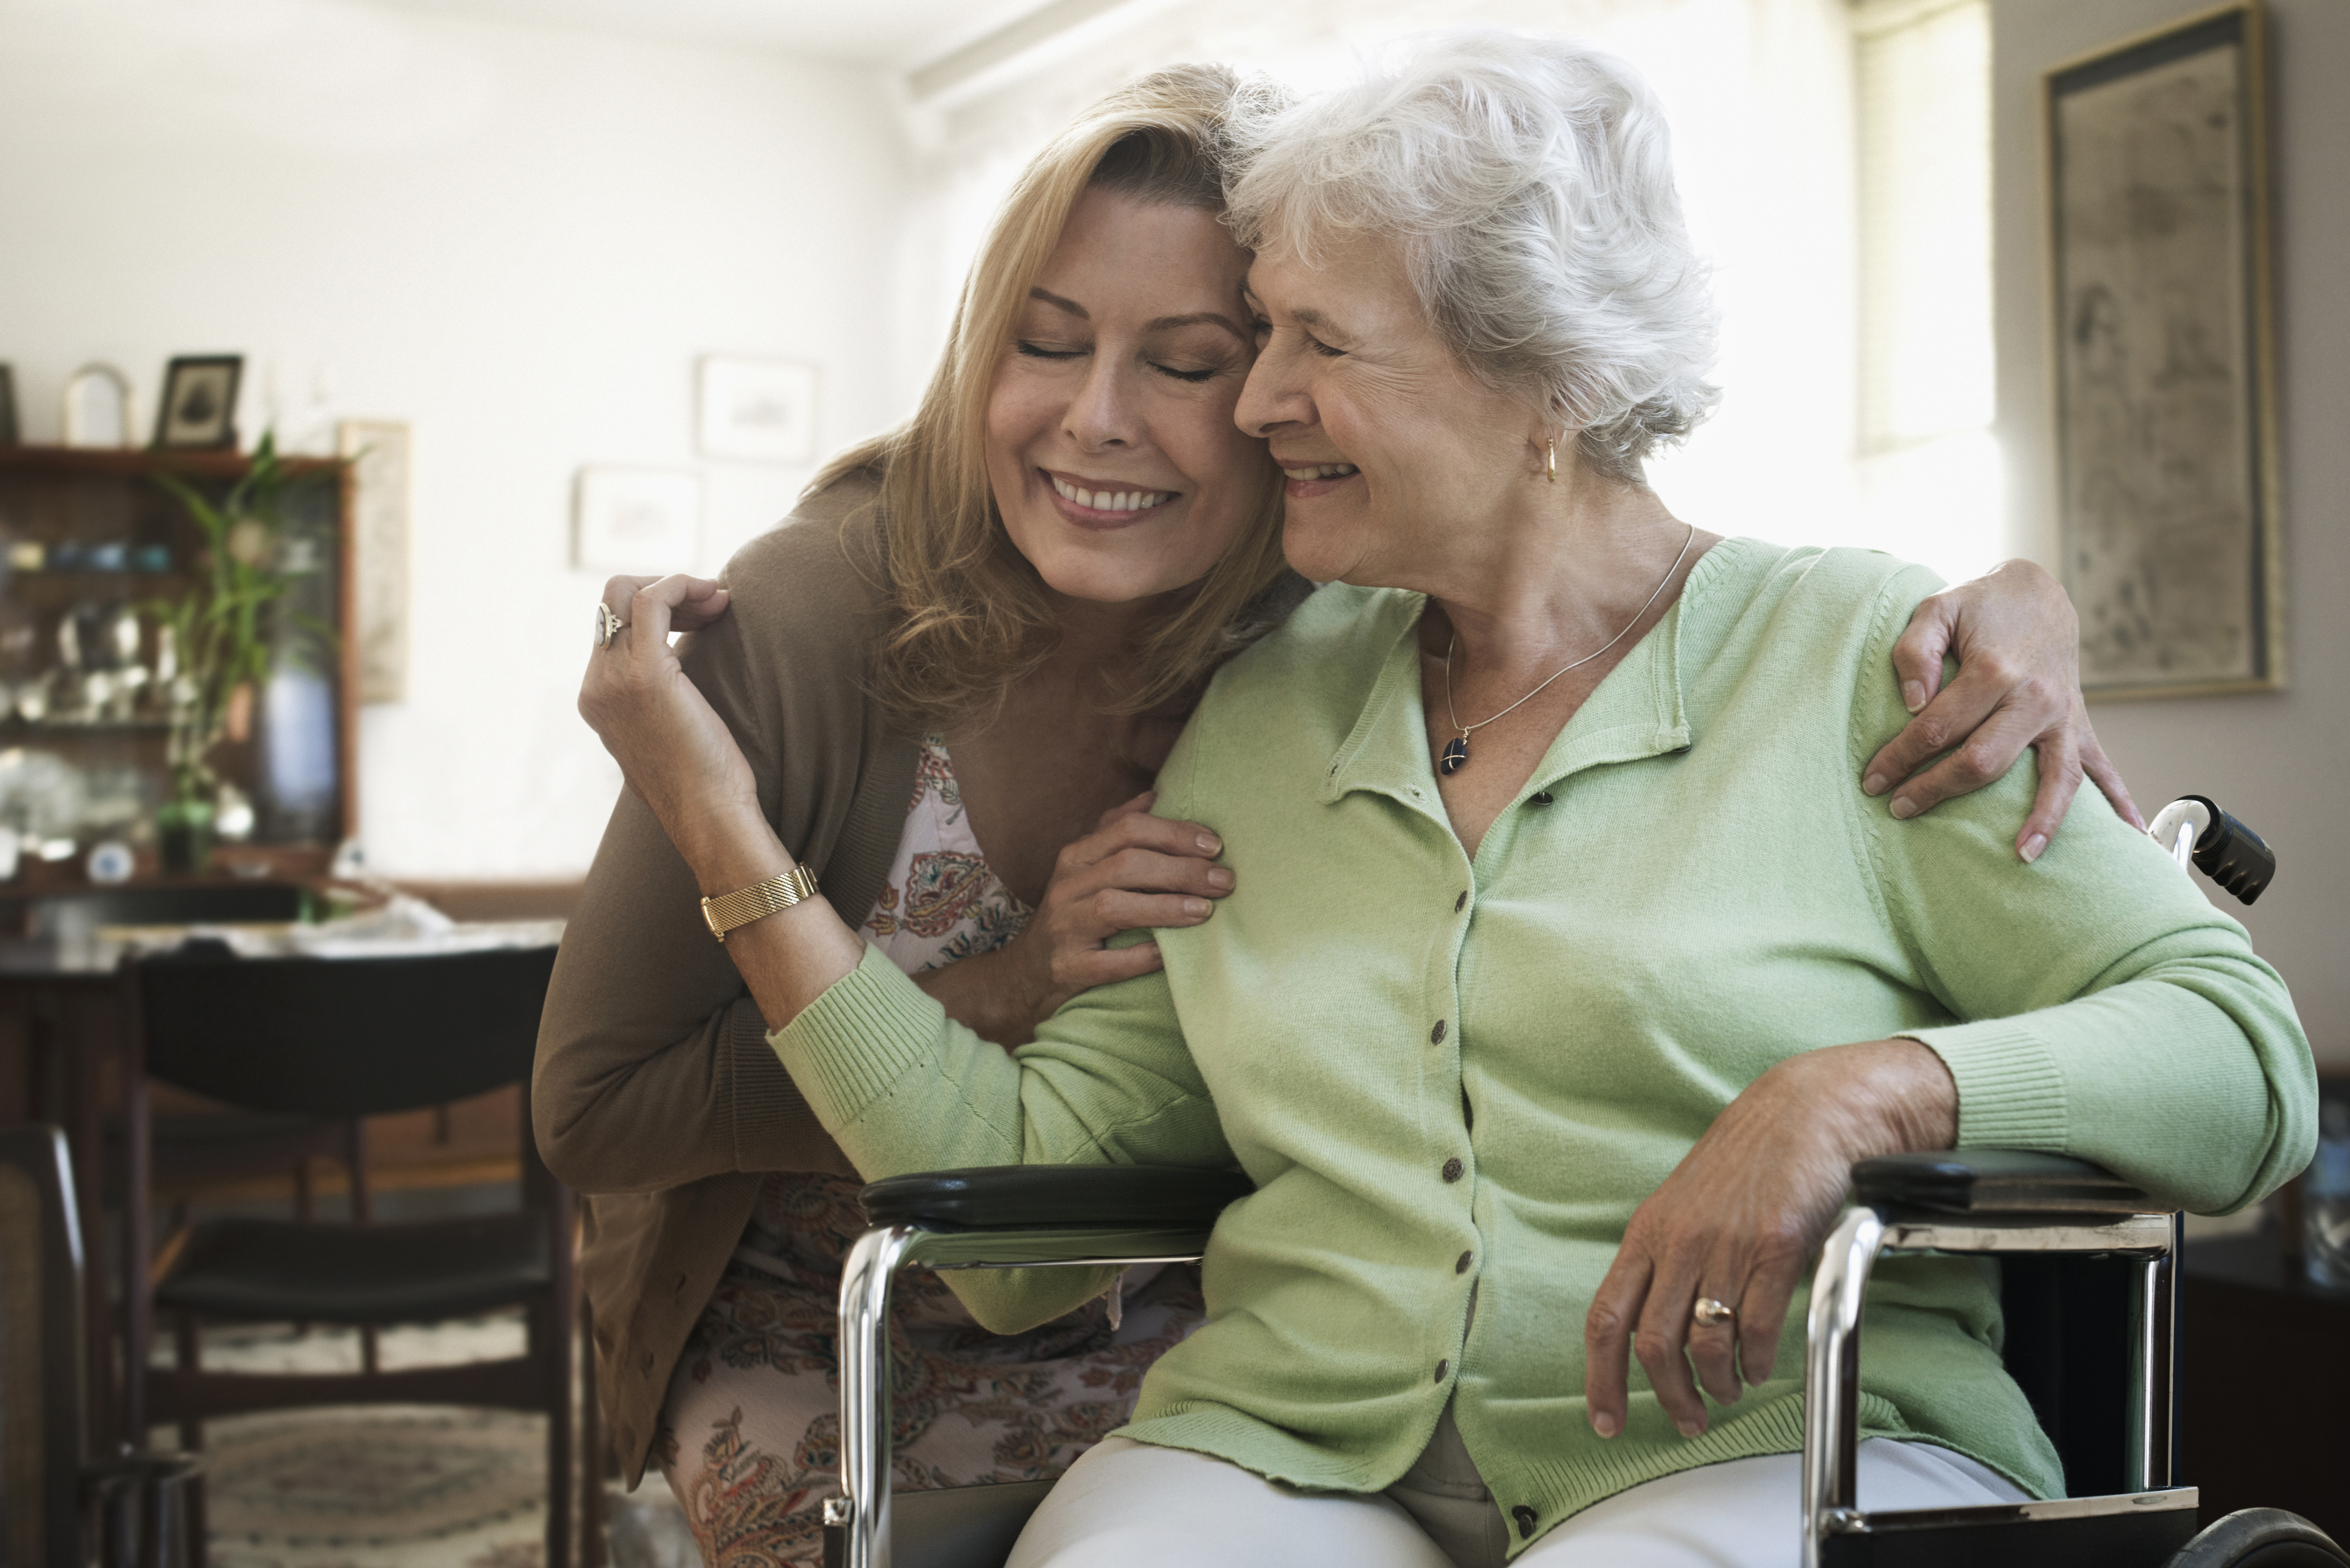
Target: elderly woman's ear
[{"x": 2017, "y": 642}]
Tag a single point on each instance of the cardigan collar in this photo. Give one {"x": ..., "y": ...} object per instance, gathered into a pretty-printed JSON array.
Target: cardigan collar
[{"x": 1637, "y": 711}]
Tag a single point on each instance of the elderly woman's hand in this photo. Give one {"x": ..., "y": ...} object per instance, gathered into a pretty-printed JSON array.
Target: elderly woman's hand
[
  {"x": 2018, "y": 644},
  {"x": 1741, "y": 1216},
  {"x": 1134, "y": 870},
  {"x": 673, "y": 749}
]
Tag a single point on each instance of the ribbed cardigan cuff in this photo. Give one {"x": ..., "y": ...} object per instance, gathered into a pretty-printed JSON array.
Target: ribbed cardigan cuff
[
  {"x": 869, "y": 1028},
  {"x": 2011, "y": 1089}
]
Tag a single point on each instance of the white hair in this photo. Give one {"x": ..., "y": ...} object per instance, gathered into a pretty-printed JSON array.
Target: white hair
[{"x": 1530, "y": 180}]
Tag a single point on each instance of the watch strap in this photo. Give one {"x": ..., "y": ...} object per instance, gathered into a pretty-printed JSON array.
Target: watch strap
[{"x": 756, "y": 902}]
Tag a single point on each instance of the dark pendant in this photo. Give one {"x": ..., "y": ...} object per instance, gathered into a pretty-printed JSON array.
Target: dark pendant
[{"x": 1455, "y": 758}]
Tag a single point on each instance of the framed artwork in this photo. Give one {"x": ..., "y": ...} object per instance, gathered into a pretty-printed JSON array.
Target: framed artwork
[
  {"x": 645, "y": 520},
  {"x": 761, "y": 410},
  {"x": 97, "y": 408},
  {"x": 2165, "y": 360},
  {"x": 378, "y": 451},
  {"x": 8, "y": 436},
  {"x": 199, "y": 407}
]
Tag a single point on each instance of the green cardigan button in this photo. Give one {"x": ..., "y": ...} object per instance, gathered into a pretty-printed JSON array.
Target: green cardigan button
[
  {"x": 1441, "y": 1369},
  {"x": 1527, "y": 1519},
  {"x": 1435, "y": 1035},
  {"x": 1453, "y": 1169},
  {"x": 1461, "y": 1264}
]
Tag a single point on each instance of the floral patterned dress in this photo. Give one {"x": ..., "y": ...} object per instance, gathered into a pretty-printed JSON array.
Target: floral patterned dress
[{"x": 749, "y": 1436}]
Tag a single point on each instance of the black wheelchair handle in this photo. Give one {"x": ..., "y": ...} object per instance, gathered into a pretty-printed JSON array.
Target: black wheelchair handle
[
  {"x": 1034, "y": 1197},
  {"x": 2232, "y": 855}
]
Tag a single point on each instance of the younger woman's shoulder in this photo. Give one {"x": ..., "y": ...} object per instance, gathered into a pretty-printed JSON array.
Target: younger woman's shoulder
[
  {"x": 825, "y": 558},
  {"x": 803, "y": 602}
]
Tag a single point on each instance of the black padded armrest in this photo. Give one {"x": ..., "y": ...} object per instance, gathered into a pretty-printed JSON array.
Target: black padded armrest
[
  {"x": 1038, "y": 1196},
  {"x": 1995, "y": 1181}
]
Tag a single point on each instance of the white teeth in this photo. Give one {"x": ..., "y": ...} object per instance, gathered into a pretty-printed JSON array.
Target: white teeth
[
  {"x": 1111, "y": 499},
  {"x": 1320, "y": 471}
]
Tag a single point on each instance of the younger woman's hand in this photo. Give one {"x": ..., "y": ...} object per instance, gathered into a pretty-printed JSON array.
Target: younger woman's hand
[
  {"x": 1133, "y": 870},
  {"x": 672, "y": 747},
  {"x": 2017, "y": 641}
]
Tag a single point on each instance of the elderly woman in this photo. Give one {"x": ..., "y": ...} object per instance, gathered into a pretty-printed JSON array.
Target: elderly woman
[{"x": 1457, "y": 1022}]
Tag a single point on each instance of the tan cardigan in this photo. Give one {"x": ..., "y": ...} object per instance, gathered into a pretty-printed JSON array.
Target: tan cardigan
[{"x": 656, "y": 1091}]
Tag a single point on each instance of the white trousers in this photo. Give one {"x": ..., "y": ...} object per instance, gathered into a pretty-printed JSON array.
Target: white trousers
[{"x": 1138, "y": 1506}]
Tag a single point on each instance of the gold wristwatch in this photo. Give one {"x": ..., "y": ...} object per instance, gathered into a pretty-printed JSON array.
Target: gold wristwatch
[{"x": 757, "y": 901}]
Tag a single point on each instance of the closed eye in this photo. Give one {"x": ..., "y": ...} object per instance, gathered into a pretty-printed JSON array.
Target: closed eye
[
  {"x": 1193, "y": 376},
  {"x": 1324, "y": 348},
  {"x": 1039, "y": 351}
]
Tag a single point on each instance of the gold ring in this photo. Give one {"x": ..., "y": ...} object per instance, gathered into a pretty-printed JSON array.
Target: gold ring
[
  {"x": 1709, "y": 1311},
  {"x": 608, "y": 624}
]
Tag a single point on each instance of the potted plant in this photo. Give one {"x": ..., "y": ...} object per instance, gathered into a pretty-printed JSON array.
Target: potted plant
[{"x": 223, "y": 638}]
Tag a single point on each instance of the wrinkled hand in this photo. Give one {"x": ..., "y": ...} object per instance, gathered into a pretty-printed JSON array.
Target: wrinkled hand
[
  {"x": 1133, "y": 870},
  {"x": 672, "y": 747},
  {"x": 1740, "y": 1217},
  {"x": 2017, "y": 642}
]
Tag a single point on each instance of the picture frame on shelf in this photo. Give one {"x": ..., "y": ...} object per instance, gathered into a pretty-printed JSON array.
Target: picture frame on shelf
[
  {"x": 636, "y": 520},
  {"x": 198, "y": 410},
  {"x": 94, "y": 409},
  {"x": 2164, "y": 358},
  {"x": 757, "y": 411},
  {"x": 378, "y": 451}
]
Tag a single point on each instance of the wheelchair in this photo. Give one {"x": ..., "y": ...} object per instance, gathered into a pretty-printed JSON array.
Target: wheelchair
[{"x": 2084, "y": 1249}]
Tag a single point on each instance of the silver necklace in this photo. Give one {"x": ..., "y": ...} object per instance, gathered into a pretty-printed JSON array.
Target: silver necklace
[{"x": 1456, "y": 751}]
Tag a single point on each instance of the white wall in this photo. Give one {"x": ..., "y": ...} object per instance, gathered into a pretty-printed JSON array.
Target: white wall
[
  {"x": 517, "y": 238},
  {"x": 2281, "y": 760}
]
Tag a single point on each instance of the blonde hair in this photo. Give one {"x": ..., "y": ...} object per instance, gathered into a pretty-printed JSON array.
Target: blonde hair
[{"x": 969, "y": 616}]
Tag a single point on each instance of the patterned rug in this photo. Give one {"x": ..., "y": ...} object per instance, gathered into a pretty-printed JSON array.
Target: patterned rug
[
  {"x": 392, "y": 1486},
  {"x": 398, "y": 1486}
]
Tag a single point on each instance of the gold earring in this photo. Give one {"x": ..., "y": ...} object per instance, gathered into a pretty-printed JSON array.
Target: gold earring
[{"x": 1553, "y": 460}]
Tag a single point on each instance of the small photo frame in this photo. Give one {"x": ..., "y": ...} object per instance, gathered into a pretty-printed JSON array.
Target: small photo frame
[
  {"x": 636, "y": 520},
  {"x": 198, "y": 412},
  {"x": 96, "y": 410},
  {"x": 8, "y": 434},
  {"x": 762, "y": 410}
]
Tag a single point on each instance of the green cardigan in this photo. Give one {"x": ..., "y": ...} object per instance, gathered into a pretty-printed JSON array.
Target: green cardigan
[{"x": 1449, "y": 1076}]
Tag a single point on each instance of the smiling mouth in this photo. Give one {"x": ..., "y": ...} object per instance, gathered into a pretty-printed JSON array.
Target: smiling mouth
[
  {"x": 1319, "y": 469},
  {"x": 1107, "y": 500}
]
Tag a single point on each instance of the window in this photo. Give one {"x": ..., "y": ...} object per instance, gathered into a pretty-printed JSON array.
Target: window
[{"x": 1927, "y": 466}]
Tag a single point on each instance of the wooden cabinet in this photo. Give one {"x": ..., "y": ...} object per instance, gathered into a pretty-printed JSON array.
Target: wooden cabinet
[{"x": 91, "y": 546}]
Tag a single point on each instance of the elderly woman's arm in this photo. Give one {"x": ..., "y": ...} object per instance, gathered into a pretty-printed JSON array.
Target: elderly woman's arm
[{"x": 2108, "y": 1011}]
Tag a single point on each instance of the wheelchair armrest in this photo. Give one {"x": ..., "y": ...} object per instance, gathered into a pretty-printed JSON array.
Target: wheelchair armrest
[
  {"x": 1043, "y": 1196},
  {"x": 1994, "y": 1182}
]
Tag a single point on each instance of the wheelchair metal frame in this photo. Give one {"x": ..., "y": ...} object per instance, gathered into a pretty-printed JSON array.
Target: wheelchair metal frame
[
  {"x": 862, "y": 1511},
  {"x": 1832, "y": 1365}
]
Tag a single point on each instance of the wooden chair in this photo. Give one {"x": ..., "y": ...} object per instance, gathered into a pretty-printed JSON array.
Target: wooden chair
[
  {"x": 49, "y": 1485},
  {"x": 347, "y": 1038}
]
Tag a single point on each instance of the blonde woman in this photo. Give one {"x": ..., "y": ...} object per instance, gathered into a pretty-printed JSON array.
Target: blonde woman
[{"x": 947, "y": 688}]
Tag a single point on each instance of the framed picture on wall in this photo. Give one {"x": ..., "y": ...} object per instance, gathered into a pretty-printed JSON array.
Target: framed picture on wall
[
  {"x": 7, "y": 406},
  {"x": 760, "y": 410},
  {"x": 378, "y": 451},
  {"x": 199, "y": 407},
  {"x": 645, "y": 520},
  {"x": 2165, "y": 360}
]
